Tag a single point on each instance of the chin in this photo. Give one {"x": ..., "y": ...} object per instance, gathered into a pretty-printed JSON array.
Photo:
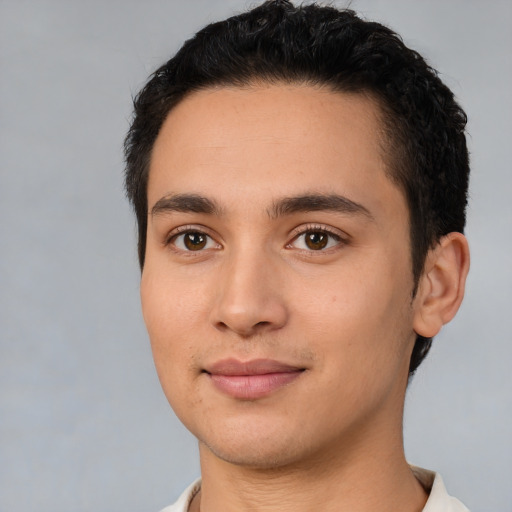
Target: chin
[
  {"x": 256, "y": 448},
  {"x": 255, "y": 457}
]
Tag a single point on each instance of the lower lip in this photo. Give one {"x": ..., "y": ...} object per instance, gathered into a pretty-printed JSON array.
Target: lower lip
[{"x": 251, "y": 387}]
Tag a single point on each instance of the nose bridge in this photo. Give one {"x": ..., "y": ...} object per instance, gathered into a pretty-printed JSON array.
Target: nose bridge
[{"x": 249, "y": 296}]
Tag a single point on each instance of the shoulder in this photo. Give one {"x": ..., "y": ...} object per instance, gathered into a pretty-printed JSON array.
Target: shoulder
[
  {"x": 439, "y": 500},
  {"x": 183, "y": 502}
]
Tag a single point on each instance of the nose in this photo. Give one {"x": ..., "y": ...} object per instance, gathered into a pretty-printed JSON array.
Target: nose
[{"x": 249, "y": 298}]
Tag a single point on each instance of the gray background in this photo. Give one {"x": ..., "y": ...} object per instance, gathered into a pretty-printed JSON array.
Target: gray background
[{"x": 84, "y": 425}]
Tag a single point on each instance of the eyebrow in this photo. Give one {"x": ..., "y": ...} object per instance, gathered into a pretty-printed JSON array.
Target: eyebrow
[
  {"x": 185, "y": 203},
  {"x": 195, "y": 203},
  {"x": 318, "y": 202}
]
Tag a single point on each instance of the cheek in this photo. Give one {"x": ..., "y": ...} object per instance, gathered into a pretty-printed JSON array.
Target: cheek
[
  {"x": 171, "y": 317},
  {"x": 361, "y": 318},
  {"x": 168, "y": 314},
  {"x": 171, "y": 304}
]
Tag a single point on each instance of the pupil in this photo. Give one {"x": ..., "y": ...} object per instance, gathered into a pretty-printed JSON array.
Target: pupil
[
  {"x": 316, "y": 240},
  {"x": 195, "y": 241}
]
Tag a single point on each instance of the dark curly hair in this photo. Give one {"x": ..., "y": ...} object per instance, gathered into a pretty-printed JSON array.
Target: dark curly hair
[{"x": 276, "y": 42}]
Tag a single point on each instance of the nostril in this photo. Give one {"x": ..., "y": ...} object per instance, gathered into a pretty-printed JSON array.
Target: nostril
[{"x": 222, "y": 326}]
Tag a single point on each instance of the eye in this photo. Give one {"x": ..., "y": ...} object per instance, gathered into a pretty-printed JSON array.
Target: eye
[
  {"x": 315, "y": 240},
  {"x": 193, "y": 241}
]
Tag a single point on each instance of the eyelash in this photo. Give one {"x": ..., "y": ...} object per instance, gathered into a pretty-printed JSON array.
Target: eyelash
[
  {"x": 297, "y": 233},
  {"x": 182, "y": 231},
  {"x": 315, "y": 228}
]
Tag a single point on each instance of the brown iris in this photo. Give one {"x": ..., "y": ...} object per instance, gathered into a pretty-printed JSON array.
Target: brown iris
[
  {"x": 316, "y": 240},
  {"x": 194, "y": 241}
]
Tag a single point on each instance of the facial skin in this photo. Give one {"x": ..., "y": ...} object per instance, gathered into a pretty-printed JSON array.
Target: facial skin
[{"x": 232, "y": 168}]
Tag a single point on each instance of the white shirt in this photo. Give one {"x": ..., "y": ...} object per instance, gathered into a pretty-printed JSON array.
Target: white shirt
[{"x": 438, "y": 501}]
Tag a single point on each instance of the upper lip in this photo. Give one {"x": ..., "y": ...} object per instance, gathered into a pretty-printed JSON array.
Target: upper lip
[{"x": 253, "y": 367}]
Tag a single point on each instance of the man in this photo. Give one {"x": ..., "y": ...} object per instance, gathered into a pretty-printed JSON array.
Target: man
[{"x": 300, "y": 179}]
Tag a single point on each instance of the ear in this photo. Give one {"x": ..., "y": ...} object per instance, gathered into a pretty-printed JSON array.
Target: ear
[{"x": 441, "y": 287}]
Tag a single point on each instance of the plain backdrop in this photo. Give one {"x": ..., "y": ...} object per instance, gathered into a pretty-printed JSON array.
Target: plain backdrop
[{"x": 84, "y": 425}]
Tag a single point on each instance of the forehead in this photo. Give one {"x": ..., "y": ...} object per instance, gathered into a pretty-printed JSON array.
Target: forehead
[{"x": 270, "y": 138}]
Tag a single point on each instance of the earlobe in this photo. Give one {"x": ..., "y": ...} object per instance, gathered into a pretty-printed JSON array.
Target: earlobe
[{"x": 441, "y": 286}]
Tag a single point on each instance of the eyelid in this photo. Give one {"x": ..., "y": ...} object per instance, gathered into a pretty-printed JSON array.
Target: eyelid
[
  {"x": 189, "y": 228},
  {"x": 342, "y": 237},
  {"x": 324, "y": 228}
]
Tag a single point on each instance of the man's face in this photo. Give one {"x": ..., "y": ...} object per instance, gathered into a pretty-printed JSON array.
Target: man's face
[{"x": 277, "y": 282}]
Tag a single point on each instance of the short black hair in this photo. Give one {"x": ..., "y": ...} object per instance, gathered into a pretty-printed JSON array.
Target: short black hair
[{"x": 276, "y": 42}]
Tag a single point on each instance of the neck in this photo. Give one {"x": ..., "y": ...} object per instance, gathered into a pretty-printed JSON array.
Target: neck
[{"x": 357, "y": 477}]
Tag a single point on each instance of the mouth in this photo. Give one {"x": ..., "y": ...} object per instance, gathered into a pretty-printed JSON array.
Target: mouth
[{"x": 250, "y": 380}]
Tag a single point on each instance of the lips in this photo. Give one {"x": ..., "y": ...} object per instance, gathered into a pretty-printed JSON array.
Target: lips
[{"x": 249, "y": 380}]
